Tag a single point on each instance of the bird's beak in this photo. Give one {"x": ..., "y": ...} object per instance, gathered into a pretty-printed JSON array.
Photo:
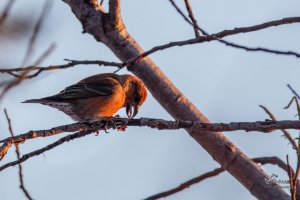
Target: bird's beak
[{"x": 132, "y": 110}]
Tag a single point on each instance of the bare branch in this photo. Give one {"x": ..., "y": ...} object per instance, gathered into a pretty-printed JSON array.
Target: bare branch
[
  {"x": 191, "y": 15},
  {"x": 262, "y": 160},
  {"x": 285, "y": 132},
  {"x": 105, "y": 124},
  {"x": 47, "y": 148},
  {"x": 293, "y": 91},
  {"x": 235, "y": 45},
  {"x": 71, "y": 63},
  {"x": 187, "y": 184},
  {"x": 22, "y": 185},
  {"x": 20, "y": 77},
  {"x": 217, "y": 36},
  {"x": 297, "y": 105}
]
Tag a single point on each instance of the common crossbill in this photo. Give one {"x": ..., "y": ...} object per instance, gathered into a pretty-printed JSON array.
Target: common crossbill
[{"x": 98, "y": 96}]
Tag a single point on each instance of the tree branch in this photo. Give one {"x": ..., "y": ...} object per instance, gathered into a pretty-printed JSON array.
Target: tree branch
[
  {"x": 285, "y": 132},
  {"x": 71, "y": 63},
  {"x": 293, "y": 91},
  {"x": 191, "y": 15},
  {"x": 115, "y": 13},
  {"x": 160, "y": 124},
  {"x": 231, "y": 44},
  {"x": 187, "y": 184},
  {"x": 217, "y": 36},
  {"x": 262, "y": 160},
  {"x": 47, "y": 148}
]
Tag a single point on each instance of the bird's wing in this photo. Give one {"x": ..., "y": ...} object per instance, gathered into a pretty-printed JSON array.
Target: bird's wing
[{"x": 87, "y": 89}]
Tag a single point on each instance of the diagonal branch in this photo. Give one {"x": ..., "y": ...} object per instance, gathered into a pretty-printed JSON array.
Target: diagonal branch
[
  {"x": 261, "y": 160},
  {"x": 285, "y": 132},
  {"x": 187, "y": 184},
  {"x": 293, "y": 91},
  {"x": 47, "y": 148},
  {"x": 191, "y": 15}
]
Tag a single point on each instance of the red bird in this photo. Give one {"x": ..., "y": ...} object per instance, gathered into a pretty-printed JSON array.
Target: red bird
[{"x": 98, "y": 96}]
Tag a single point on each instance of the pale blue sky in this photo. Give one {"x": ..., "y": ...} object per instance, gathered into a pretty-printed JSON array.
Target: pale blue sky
[{"x": 226, "y": 84}]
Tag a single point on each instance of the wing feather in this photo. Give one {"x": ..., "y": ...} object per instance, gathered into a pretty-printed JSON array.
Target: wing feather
[{"x": 87, "y": 89}]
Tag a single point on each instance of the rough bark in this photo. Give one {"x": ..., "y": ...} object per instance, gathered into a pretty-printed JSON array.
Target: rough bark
[{"x": 115, "y": 36}]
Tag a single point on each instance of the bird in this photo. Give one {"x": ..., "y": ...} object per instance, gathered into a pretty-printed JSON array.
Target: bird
[{"x": 99, "y": 96}]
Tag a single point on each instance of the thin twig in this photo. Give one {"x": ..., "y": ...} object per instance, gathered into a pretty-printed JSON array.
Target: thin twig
[
  {"x": 187, "y": 184},
  {"x": 285, "y": 132},
  {"x": 47, "y": 148},
  {"x": 262, "y": 160},
  {"x": 22, "y": 185},
  {"x": 293, "y": 91},
  {"x": 297, "y": 105},
  {"x": 235, "y": 45},
  {"x": 24, "y": 75},
  {"x": 71, "y": 63},
  {"x": 217, "y": 36},
  {"x": 191, "y": 15}
]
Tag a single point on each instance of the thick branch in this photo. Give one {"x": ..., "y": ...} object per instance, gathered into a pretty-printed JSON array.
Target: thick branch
[{"x": 115, "y": 13}]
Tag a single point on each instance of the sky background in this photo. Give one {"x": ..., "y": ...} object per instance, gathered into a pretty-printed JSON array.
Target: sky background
[{"x": 226, "y": 84}]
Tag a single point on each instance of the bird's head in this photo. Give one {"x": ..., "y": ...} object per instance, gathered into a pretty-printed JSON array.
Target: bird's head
[{"x": 136, "y": 94}]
